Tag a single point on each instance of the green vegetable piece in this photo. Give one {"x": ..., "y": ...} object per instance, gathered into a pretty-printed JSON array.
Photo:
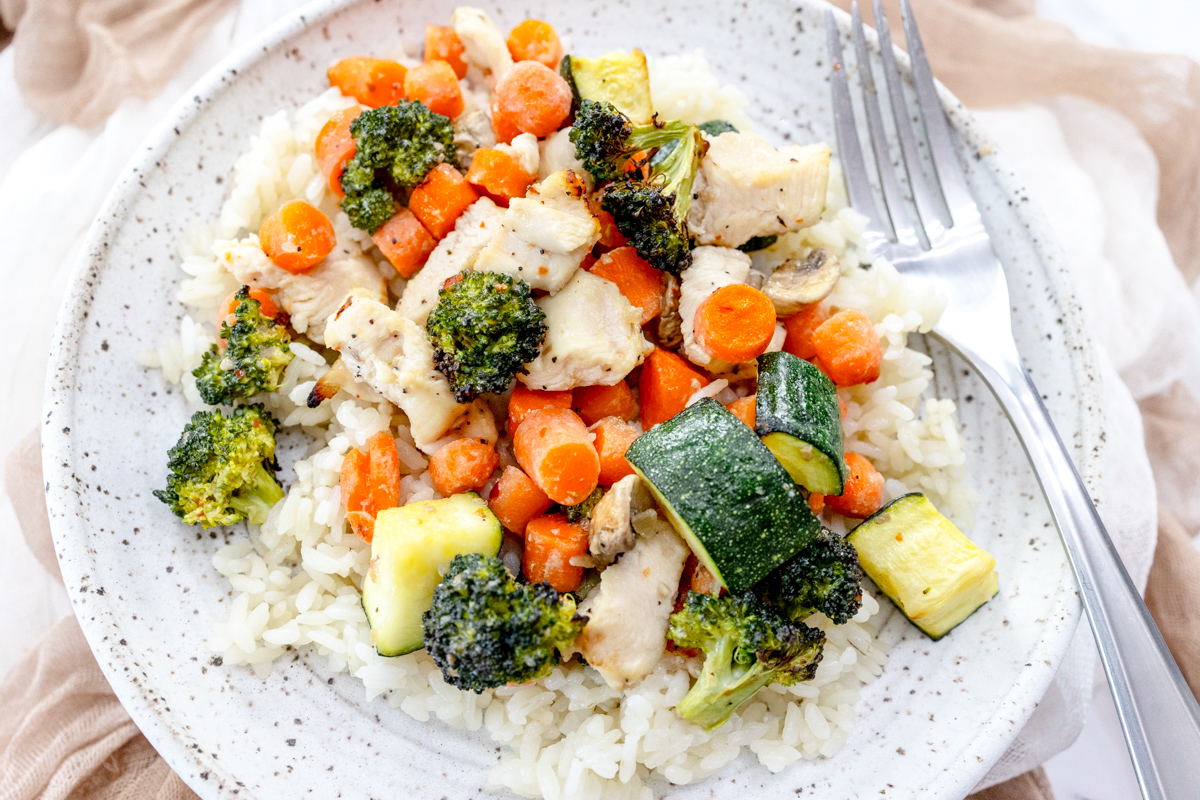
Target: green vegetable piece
[
  {"x": 484, "y": 329},
  {"x": 580, "y": 512},
  {"x": 714, "y": 127},
  {"x": 799, "y": 419},
  {"x": 824, "y": 577},
  {"x": 746, "y": 645},
  {"x": 256, "y": 352},
  {"x": 222, "y": 469},
  {"x": 755, "y": 243},
  {"x": 484, "y": 629},
  {"x": 618, "y": 78}
]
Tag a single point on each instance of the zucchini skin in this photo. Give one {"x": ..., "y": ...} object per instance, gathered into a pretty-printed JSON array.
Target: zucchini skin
[
  {"x": 797, "y": 399},
  {"x": 727, "y": 495}
]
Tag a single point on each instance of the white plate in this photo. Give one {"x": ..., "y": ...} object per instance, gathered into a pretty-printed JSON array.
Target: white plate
[{"x": 143, "y": 584}]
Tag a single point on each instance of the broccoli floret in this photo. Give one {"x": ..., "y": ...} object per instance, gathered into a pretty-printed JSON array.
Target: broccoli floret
[
  {"x": 825, "y": 577},
  {"x": 257, "y": 350},
  {"x": 580, "y": 512},
  {"x": 485, "y": 629},
  {"x": 484, "y": 329},
  {"x": 394, "y": 148},
  {"x": 747, "y": 645},
  {"x": 222, "y": 469},
  {"x": 605, "y": 139}
]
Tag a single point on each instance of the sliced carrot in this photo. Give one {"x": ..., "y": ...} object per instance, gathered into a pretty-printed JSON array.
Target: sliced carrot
[
  {"x": 735, "y": 323},
  {"x": 589, "y": 261},
  {"x": 502, "y": 125},
  {"x": 297, "y": 237},
  {"x": 800, "y": 327},
  {"x": 515, "y": 499},
  {"x": 594, "y": 403},
  {"x": 554, "y": 448},
  {"x": 373, "y": 82},
  {"x": 841, "y": 406},
  {"x": 744, "y": 409},
  {"x": 443, "y": 44},
  {"x": 534, "y": 40},
  {"x": 464, "y": 465},
  {"x": 641, "y": 283},
  {"x": 816, "y": 502},
  {"x": 355, "y": 481},
  {"x": 384, "y": 476},
  {"x": 435, "y": 84},
  {"x": 266, "y": 304},
  {"x": 404, "y": 242},
  {"x": 609, "y": 235},
  {"x": 498, "y": 175},
  {"x": 441, "y": 199},
  {"x": 534, "y": 98},
  {"x": 525, "y": 400},
  {"x": 702, "y": 580},
  {"x": 863, "y": 493},
  {"x": 335, "y": 147},
  {"x": 848, "y": 348},
  {"x": 551, "y": 541},
  {"x": 613, "y": 437},
  {"x": 666, "y": 383}
]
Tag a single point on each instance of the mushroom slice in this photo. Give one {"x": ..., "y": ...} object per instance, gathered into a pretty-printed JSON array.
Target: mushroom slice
[
  {"x": 798, "y": 282},
  {"x": 670, "y": 323},
  {"x": 335, "y": 378},
  {"x": 612, "y": 531}
]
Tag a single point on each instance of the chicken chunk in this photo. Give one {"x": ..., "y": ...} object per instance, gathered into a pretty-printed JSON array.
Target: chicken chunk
[
  {"x": 474, "y": 229},
  {"x": 483, "y": 44},
  {"x": 544, "y": 236},
  {"x": 311, "y": 298},
  {"x": 390, "y": 354},
  {"x": 747, "y": 188},
  {"x": 711, "y": 269},
  {"x": 628, "y": 612},
  {"x": 524, "y": 148},
  {"x": 594, "y": 337},
  {"x": 558, "y": 153}
]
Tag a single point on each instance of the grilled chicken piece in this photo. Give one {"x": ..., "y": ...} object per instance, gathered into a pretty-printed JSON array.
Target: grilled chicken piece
[
  {"x": 712, "y": 268},
  {"x": 612, "y": 531},
  {"x": 485, "y": 47},
  {"x": 747, "y": 188},
  {"x": 557, "y": 154},
  {"x": 390, "y": 353},
  {"x": 797, "y": 282},
  {"x": 544, "y": 236},
  {"x": 594, "y": 337},
  {"x": 627, "y": 613},
  {"x": 478, "y": 423},
  {"x": 524, "y": 148},
  {"x": 311, "y": 298},
  {"x": 474, "y": 229}
]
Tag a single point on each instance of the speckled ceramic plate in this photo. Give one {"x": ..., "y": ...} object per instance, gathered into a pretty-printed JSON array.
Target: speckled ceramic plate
[{"x": 144, "y": 587}]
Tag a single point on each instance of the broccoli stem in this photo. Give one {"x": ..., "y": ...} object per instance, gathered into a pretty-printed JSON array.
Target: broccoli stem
[
  {"x": 257, "y": 497},
  {"x": 723, "y": 685}
]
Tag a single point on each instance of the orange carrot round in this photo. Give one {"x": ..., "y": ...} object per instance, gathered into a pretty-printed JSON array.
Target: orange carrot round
[
  {"x": 594, "y": 403},
  {"x": 640, "y": 283},
  {"x": 534, "y": 40},
  {"x": 848, "y": 348},
  {"x": 816, "y": 502},
  {"x": 534, "y": 98},
  {"x": 744, "y": 409},
  {"x": 266, "y": 305},
  {"x": 800, "y": 327},
  {"x": 384, "y": 476},
  {"x": 525, "y": 400},
  {"x": 441, "y": 199},
  {"x": 297, "y": 237},
  {"x": 613, "y": 437},
  {"x": 551, "y": 541},
  {"x": 373, "y": 82},
  {"x": 609, "y": 235},
  {"x": 863, "y": 493},
  {"x": 515, "y": 499},
  {"x": 404, "y": 242},
  {"x": 666, "y": 383},
  {"x": 335, "y": 147},
  {"x": 443, "y": 44},
  {"x": 735, "y": 323},
  {"x": 355, "y": 481},
  {"x": 502, "y": 125},
  {"x": 554, "y": 448},
  {"x": 498, "y": 175},
  {"x": 435, "y": 84},
  {"x": 464, "y": 465}
]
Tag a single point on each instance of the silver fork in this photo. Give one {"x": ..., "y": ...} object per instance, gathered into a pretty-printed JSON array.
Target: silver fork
[{"x": 1158, "y": 712}]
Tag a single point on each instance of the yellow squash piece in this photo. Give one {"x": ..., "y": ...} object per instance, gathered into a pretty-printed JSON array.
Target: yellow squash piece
[
  {"x": 618, "y": 78},
  {"x": 933, "y": 573}
]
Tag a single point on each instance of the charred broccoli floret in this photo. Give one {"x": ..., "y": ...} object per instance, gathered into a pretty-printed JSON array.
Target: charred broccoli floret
[
  {"x": 257, "y": 349},
  {"x": 582, "y": 511},
  {"x": 485, "y": 629},
  {"x": 394, "y": 148},
  {"x": 484, "y": 329},
  {"x": 605, "y": 139},
  {"x": 825, "y": 577},
  {"x": 222, "y": 469},
  {"x": 747, "y": 645}
]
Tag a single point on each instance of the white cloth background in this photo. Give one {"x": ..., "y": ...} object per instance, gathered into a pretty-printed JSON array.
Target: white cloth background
[{"x": 1085, "y": 166}]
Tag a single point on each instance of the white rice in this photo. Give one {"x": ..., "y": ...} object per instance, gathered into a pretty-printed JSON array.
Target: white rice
[{"x": 296, "y": 581}]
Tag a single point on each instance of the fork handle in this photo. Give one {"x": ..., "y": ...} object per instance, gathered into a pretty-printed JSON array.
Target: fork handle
[{"x": 1158, "y": 712}]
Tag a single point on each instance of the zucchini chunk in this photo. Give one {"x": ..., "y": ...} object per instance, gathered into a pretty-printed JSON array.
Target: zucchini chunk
[
  {"x": 933, "y": 573},
  {"x": 724, "y": 493},
  {"x": 798, "y": 418},
  {"x": 618, "y": 78},
  {"x": 412, "y": 546}
]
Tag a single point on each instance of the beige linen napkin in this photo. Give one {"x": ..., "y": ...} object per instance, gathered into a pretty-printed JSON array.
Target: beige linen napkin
[{"x": 62, "y": 732}]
